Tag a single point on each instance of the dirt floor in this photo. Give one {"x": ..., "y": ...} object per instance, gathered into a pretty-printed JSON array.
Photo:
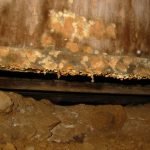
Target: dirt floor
[{"x": 27, "y": 124}]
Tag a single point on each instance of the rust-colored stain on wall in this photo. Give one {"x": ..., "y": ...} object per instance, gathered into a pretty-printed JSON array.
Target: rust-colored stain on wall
[{"x": 88, "y": 37}]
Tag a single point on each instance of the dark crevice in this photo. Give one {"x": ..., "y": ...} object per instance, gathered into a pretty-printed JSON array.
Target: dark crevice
[
  {"x": 68, "y": 99},
  {"x": 80, "y": 97},
  {"x": 70, "y": 78}
]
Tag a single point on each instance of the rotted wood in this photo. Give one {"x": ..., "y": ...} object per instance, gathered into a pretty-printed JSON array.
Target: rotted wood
[{"x": 88, "y": 37}]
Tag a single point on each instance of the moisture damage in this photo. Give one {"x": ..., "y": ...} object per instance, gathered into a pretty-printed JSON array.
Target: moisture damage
[{"x": 69, "y": 38}]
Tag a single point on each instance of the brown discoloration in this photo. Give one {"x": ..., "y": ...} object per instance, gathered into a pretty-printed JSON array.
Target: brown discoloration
[
  {"x": 70, "y": 61},
  {"x": 68, "y": 27},
  {"x": 22, "y": 22},
  {"x": 97, "y": 30},
  {"x": 85, "y": 64},
  {"x": 97, "y": 65},
  {"x": 56, "y": 27},
  {"x": 72, "y": 46},
  {"x": 4, "y": 51},
  {"x": 87, "y": 49},
  {"x": 34, "y": 124},
  {"x": 119, "y": 29},
  {"x": 72, "y": 26},
  {"x": 47, "y": 40},
  {"x": 32, "y": 56},
  {"x": 111, "y": 31},
  {"x": 27, "y": 22},
  {"x": 80, "y": 26}
]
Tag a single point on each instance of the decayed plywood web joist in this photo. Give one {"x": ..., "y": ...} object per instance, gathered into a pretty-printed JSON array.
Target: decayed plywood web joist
[{"x": 88, "y": 37}]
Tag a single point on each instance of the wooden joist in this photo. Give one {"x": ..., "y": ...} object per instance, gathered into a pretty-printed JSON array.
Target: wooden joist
[
  {"x": 72, "y": 87},
  {"x": 66, "y": 92}
]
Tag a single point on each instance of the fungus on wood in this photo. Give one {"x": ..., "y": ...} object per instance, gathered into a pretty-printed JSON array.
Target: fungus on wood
[{"x": 88, "y": 37}]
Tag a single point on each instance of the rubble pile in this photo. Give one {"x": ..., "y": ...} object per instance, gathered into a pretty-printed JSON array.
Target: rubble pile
[{"x": 29, "y": 124}]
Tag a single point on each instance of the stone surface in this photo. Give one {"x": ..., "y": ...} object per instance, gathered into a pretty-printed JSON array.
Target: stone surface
[
  {"x": 79, "y": 121},
  {"x": 29, "y": 122},
  {"x": 5, "y": 103},
  {"x": 43, "y": 125},
  {"x": 9, "y": 146}
]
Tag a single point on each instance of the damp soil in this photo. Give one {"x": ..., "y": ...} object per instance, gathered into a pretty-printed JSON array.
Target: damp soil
[{"x": 27, "y": 124}]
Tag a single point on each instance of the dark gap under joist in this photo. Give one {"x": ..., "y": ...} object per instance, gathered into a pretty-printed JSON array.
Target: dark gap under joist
[{"x": 71, "y": 90}]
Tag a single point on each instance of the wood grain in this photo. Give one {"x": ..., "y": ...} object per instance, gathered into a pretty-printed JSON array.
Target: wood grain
[
  {"x": 83, "y": 28},
  {"x": 22, "y": 22},
  {"x": 23, "y": 84}
]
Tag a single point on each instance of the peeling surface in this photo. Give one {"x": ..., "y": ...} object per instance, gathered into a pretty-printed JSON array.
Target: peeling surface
[
  {"x": 122, "y": 67},
  {"x": 78, "y": 27},
  {"x": 92, "y": 37}
]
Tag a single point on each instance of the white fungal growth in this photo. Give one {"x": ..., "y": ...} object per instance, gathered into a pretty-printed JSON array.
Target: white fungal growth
[
  {"x": 70, "y": 1},
  {"x": 138, "y": 52},
  {"x": 85, "y": 58}
]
